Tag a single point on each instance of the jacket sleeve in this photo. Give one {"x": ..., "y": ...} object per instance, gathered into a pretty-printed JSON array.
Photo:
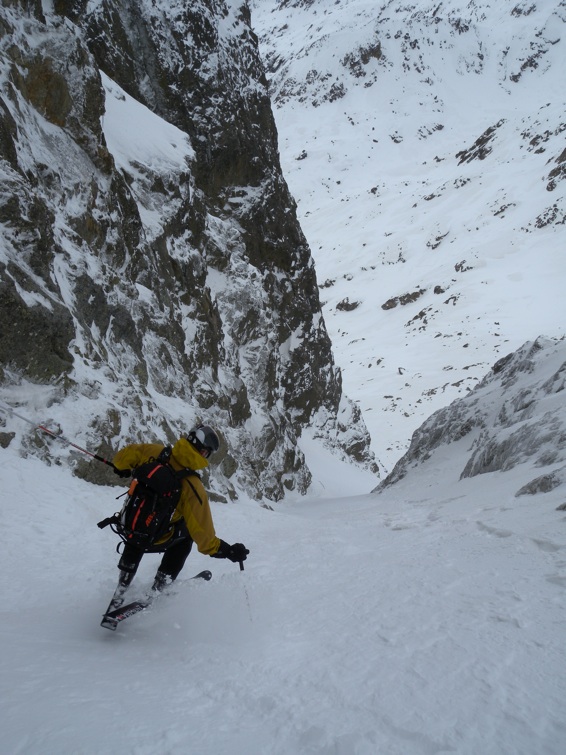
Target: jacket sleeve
[
  {"x": 195, "y": 509},
  {"x": 132, "y": 456}
]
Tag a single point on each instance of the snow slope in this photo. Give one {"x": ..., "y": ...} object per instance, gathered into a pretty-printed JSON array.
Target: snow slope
[
  {"x": 426, "y": 619},
  {"x": 430, "y": 620},
  {"x": 382, "y": 110}
]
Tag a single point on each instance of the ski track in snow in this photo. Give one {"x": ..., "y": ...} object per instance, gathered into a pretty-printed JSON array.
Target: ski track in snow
[{"x": 427, "y": 619}]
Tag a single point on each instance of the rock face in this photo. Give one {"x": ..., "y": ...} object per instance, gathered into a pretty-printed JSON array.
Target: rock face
[
  {"x": 516, "y": 415},
  {"x": 145, "y": 292}
]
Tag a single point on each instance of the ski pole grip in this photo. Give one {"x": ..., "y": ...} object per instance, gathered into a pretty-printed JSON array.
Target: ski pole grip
[{"x": 103, "y": 460}]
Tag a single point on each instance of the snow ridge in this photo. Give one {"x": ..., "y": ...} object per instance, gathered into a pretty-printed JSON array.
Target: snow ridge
[{"x": 514, "y": 416}]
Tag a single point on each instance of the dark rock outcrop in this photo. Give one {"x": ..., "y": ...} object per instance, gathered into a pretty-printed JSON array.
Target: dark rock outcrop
[{"x": 151, "y": 294}]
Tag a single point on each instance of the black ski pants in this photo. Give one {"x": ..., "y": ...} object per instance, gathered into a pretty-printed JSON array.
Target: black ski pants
[{"x": 174, "y": 557}]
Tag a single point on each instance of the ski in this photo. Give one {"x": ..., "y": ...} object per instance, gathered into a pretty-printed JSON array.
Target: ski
[
  {"x": 117, "y": 613},
  {"x": 111, "y": 619},
  {"x": 115, "y": 603}
]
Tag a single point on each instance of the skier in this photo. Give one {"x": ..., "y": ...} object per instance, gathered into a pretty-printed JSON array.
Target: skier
[{"x": 192, "y": 520}]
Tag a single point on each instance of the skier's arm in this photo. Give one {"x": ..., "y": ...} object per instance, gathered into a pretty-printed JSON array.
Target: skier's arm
[
  {"x": 195, "y": 509},
  {"x": 132, "y": 456},
  {"x": 196, "y": 512}
]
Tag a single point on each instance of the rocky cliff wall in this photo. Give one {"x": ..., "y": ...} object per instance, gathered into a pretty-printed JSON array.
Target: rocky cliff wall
[{"x": 144, "y": 293}]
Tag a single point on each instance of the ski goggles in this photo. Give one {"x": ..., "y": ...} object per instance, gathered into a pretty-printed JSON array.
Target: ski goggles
[{"x": 205, "y": 440}]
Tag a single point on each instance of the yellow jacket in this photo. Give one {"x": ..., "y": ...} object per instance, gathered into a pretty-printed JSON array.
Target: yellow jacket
[{"x": 193, "y": 507}]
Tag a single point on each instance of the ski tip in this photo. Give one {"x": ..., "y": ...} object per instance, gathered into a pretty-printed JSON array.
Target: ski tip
[{"x": 206, "y": 575}]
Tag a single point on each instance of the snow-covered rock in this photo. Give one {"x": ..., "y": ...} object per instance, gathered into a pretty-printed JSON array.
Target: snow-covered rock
[
  {"x": 424, "y": 144},
  {"x": 152, "y": 267},
  {"x": 515, "y": 416}
]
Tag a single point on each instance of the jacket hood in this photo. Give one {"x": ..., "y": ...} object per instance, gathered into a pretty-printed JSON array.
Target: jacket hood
[{"x": 186, "y": 455}]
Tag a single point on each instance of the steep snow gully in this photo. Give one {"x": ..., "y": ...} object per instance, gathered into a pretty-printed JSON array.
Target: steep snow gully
[
  {"x": 424, "y": 617},
  {"x": 428, "y": 618}
]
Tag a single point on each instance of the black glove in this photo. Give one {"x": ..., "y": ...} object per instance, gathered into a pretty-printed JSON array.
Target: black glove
[
  {"x": 236, "y": 553},
  {"x": 122, "y": 472}
]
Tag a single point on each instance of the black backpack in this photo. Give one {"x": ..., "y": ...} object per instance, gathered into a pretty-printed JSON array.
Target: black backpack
[{"x": 151, "y": 502}]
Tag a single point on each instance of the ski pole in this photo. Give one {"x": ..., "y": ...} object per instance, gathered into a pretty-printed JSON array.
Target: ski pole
[{"x": 53, "y": 434}]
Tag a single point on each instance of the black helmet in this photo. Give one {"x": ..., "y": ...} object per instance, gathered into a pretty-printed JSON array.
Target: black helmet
[{"x": 204, "y": 439}]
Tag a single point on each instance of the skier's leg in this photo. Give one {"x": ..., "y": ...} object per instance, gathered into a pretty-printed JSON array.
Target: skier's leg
[
  {"x": 172, "y": 562},
  {"x": 128, "y": 564}
]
